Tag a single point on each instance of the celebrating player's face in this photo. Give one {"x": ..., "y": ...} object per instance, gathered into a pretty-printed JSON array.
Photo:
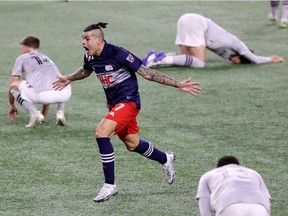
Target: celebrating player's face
[{"x": 89, "y": 42}]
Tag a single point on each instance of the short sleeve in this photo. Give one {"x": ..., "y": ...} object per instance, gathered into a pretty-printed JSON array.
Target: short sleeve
[
  {"x": 203, "y": 187},
  {"x": 18, "y": 67},
  {"x": 129, "y": 60}
]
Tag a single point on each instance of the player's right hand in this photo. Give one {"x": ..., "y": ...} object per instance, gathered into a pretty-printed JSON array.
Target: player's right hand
[
  {"x": 11, "y": 113},
  {"x": 61, "y": 82}
]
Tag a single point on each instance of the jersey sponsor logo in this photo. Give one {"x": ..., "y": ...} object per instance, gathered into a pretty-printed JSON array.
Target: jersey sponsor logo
[
  {"x": 130, "y": 58},
  {"x": 108, "y": 67},
  {"x": 106, "y": 80},
  {"x": 112, "y": 78}
]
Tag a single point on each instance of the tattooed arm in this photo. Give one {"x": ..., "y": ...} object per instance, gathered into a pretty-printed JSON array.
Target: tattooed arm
[
  {"x": 157, "y": 76},
  {"x": 79, "y": 74},
  {"x": 65, "y": 80}
]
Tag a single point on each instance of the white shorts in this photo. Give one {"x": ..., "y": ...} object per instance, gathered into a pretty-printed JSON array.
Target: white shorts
[
  {"x": 45, "y": 97},
  {"x": 191, "y": 30},
  {"x": 239, "y": 209}
]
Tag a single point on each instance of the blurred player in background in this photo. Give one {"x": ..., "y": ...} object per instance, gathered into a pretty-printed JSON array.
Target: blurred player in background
[
  {"x": 39, "y": 72},
  {"x": 195, "y": 33},
  {"x": 116, "y": 69},
  {"x": 232, "y": 190},
  {"x": 273, "y": 16}
]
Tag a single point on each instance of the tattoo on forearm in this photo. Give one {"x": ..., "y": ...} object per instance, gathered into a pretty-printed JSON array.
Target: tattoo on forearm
[
  {"x": 78, "y": 75},
  {"x": 157, "y": 76}
]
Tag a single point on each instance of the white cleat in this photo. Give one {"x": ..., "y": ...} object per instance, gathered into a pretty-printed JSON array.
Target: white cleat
[
  {"x": 149, "y": 57},
  {"x": 106, "y": 192},
  {"x": 272, "y": 19},
  {"x": 35, "y": 119},
  {"x": 283, "y": 23},
  {"x": 168, "y": 167},
  {"x": 60, "y": 118}
]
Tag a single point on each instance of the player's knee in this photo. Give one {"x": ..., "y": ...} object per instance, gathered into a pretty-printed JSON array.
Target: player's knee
[
  {"x": 130, "y": 146},
  {"x": 201, "y": 65},
  {"x": 198, "y": 64},
  {"x": 100, "y": 133},
  {"x": 14, "y": 86}
]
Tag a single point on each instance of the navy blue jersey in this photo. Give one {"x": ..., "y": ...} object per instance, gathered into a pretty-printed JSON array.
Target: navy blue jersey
[{"x": 115, "y": 68}]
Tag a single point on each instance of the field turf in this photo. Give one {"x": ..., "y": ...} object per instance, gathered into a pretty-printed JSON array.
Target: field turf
[{"x": 242, "y": 110}]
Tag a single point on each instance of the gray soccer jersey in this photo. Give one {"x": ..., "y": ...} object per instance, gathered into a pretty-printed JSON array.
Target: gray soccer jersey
[
  {"x": 224, "y": 44},
  {"x": 38, "y": 69},
  {"x": 233, "y": 184}
]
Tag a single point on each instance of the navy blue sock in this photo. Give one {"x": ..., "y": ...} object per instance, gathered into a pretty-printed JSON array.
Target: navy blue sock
[
  {"x": 107, "y": 157},
  {"x": 146, "y": 149}
]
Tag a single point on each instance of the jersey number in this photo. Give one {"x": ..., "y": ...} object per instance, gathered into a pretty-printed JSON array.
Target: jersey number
[
  {"x": 37, "y": 59},
  {"x": 119, "y": 107}
]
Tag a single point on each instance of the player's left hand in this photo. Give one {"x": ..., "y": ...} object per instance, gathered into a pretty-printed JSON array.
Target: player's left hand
[
  {"x": 276, "y": 59},
  {"x": 190, "y": 87},
  {"x": 11, "y": 113}
]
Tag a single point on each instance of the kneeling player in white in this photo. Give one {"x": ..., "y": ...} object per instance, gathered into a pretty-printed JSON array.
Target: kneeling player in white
[
  {"x": 39, "y": 72},
  {"x": 232, "y": 190}
]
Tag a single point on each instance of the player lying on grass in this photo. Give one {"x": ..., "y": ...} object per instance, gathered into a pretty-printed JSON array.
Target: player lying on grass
[
  {"x": 195, "y": 33},
  {"x": 39, "y": 72},
  {"x": 116, "y": 69}
]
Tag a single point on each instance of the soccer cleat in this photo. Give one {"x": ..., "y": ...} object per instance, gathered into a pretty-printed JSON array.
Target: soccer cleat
[
  {"x": 168, "y": 167},
  {"x": 157, "y": 60},
  {"x": 283, "y": 23},
  {"x": 106, "y": 192},
  {"x": 159, "y": 56},
  {"x": 35, "y": 119},
  {"x": 272, "y": 19},
  {"x": 60, "y": 118},
  {"x": 149, "y": 57}
]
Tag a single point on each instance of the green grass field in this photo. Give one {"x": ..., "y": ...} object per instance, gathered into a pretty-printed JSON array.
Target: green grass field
[{"x": 242, "y": 110}]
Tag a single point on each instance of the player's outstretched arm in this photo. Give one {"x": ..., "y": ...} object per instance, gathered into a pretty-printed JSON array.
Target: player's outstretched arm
[
  {"x": 63, "y": 81},
  {"x": 157, "y": 76}
]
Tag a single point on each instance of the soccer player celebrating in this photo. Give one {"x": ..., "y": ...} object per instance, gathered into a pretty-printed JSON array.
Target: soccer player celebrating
[
  {"x": 115, "y": 67},
  {"x": 195, "y": 33}
]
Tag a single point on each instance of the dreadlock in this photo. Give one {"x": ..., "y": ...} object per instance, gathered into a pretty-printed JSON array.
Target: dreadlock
[{"x": 99, "y": 25}]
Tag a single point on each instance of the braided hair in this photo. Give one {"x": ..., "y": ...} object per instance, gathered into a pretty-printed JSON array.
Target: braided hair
[{"x": 99, "y": 25}]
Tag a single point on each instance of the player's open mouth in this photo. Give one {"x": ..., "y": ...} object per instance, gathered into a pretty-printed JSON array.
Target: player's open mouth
[{"x": 86, "y": 48}]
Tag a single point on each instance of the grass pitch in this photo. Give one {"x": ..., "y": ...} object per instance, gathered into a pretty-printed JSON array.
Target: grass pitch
[{"x": 242, "y": 110}]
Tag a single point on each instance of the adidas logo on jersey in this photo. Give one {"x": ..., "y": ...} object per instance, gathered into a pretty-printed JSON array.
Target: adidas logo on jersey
[{"x": 111, "y": 113}]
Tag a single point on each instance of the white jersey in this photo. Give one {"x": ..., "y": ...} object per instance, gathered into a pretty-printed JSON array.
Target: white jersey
[
  {"x": 38, "y": 69},
  {"x": 195, "y": 30},
  {"x": 233, "y": 184}
]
